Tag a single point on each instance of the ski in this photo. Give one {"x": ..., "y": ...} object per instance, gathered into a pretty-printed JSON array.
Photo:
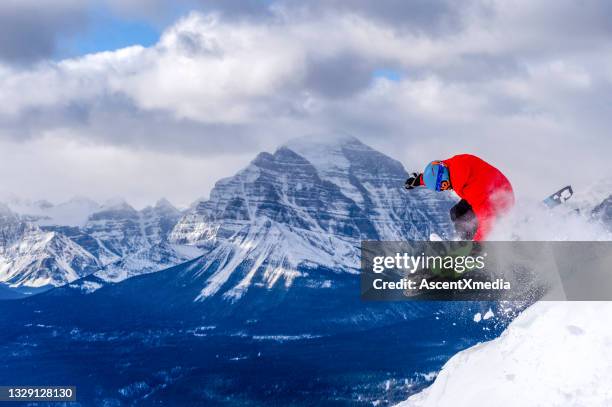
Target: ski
[{"x": 559, "y": 197}]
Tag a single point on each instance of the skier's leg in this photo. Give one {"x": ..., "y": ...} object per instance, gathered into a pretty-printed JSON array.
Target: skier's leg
[{"x": 464, "y": 219}]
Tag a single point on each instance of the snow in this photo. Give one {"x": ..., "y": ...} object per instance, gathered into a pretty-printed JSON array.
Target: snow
[
  {"x": 32, "y": 257},
  {"x": 591, "y": 194},
  {"x": 534, "y": 222},
  {"x": 188, "y": 252},
  {"x": 553, "y": 354},
  {"x": 275, "y": 251},
  {"x": 89, "y": 286},
  {"x": 284, "y": 338},
  {"x": 325, "y": 153}
]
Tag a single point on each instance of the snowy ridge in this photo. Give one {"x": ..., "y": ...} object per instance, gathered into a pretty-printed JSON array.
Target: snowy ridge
[
  {"x": 31, "y": 256},
  {"x": 53, "y": 245},
  {"x": 138, "y": 239},
  {"x": 267, "y": 254},
  {"x": 146, "y": 260},
  {"x": 553, "y": 354}
]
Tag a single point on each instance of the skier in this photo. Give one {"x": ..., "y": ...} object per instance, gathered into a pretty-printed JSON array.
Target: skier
[{"x": 485, "y": 192}]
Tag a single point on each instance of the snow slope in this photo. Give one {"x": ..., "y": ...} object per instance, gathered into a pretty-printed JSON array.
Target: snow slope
[{"x": 554, "y": 354}]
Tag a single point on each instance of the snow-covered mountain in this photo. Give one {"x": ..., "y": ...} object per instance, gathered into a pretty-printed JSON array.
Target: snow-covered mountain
[
  {"x": 118, "y": 225},
  {"x": 553, "y": 354},
  {"x": 33, "y": 257},
  {"x": 280, "y": 242},
  {"x": 278, "y": 238},
  {"x": 307, "y": 205},
  {"x": 81, "y": 237},
  {"x": 159, "y": 220},
  {"x": 138, "y": 238}
]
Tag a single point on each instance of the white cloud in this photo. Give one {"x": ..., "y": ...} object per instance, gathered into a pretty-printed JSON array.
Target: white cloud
[
  {"x": 513, "y": 82},
  {"x": 57, "y": 169}
]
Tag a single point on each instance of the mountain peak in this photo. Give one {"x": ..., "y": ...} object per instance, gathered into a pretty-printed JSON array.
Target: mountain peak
[
  {"x": 116, "y": 203},
  {"x": 326, "y": 152},
  {"x": 164, "y": 203},
  {"x": 323, "y": 140}
]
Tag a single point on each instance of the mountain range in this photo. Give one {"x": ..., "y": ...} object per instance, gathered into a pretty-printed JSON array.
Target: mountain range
[
  {"x": 309, "y": 203},
  {"x": 48, "y": 245}
]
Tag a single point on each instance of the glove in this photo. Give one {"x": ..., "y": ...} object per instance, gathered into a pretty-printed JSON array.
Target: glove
[{"x": 413, "y": 181}]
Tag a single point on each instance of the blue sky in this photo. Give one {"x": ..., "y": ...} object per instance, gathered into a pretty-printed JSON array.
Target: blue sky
[
  {"x": 388, "y": 73},
  {"x": 106, "y": 31}
]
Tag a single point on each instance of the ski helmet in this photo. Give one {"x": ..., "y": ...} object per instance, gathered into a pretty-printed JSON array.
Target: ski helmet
[{"x": 436, "y": 176}]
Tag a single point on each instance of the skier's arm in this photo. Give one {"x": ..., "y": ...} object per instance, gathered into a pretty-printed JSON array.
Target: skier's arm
[{"x": 415, "y": 180}]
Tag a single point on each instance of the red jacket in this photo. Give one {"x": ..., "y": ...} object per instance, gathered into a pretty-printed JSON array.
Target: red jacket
[{"x": 483, "y": 186}]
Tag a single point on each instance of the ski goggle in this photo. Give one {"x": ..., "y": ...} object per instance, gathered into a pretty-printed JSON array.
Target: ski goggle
[
  {"x": 441, "y": 183},
  {"x": 436, "y": 176}
]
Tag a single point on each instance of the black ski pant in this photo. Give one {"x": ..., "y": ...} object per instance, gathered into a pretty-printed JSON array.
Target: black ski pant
[{"x": 464, "y": 219}]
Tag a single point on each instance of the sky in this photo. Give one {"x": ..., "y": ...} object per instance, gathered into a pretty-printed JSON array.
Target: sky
[{"x": 144, "y": 99}]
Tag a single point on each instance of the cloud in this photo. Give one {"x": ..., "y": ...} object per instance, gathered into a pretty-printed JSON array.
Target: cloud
[
  {"x": 30, "y": 29},
  {"x": 59, "y": 168},
  {"x": 524, "y": 84}
]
